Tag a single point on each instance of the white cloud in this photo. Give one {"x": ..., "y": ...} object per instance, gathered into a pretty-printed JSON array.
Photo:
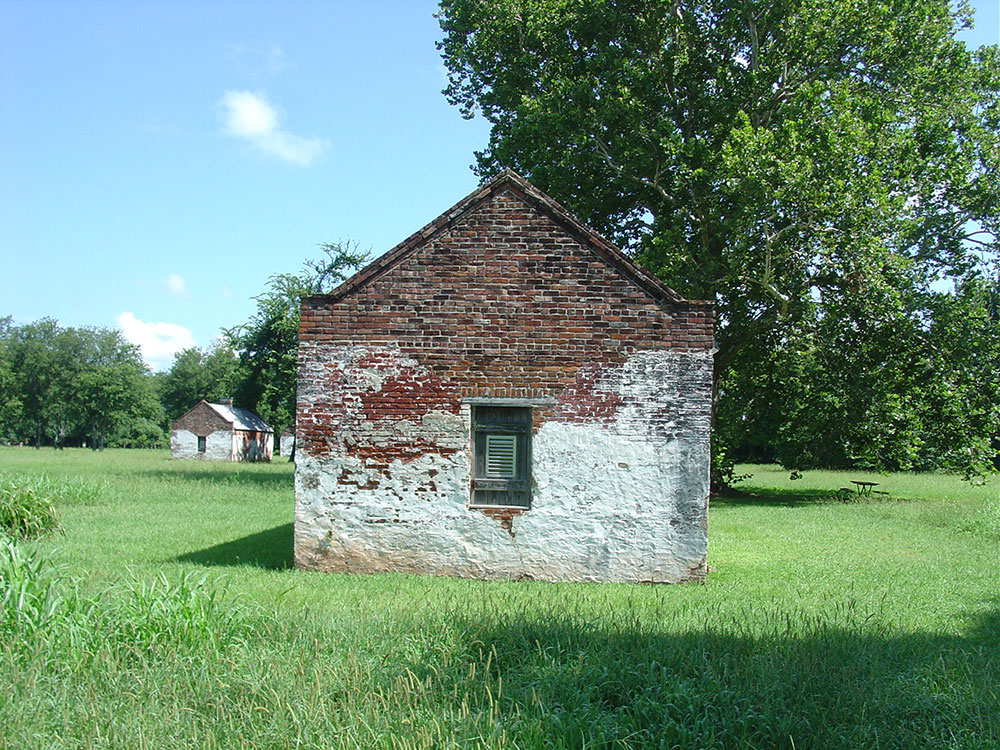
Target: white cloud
[
  {"x": 158, "y": 342},
  {"x": 251, "y": 117},
  {"x": 176, "y": 285}
]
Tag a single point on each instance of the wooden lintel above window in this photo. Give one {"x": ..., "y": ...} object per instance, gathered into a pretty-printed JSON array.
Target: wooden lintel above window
[{"x": 490, "y": 401}]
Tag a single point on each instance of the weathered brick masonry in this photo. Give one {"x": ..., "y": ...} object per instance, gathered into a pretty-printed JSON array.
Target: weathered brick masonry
[{"x": 505, "y": 300}]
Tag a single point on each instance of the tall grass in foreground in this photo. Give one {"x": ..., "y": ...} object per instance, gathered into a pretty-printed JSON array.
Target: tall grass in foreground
[
  {"x": 987, "y": 521},
  {"x": 31, "y": 596},
  {"x": 25, "y": 512},
  {"x": 170, "y": 664},
  {"x": 824, "y": 625}
]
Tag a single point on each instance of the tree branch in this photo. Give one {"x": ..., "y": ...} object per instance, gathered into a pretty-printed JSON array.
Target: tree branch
[{"x": 609, "y": 160}]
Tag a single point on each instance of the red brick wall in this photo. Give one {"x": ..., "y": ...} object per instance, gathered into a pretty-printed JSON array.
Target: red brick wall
[
  {"x": 202, "y": 420},
  {"x": 505, "y": 303}
]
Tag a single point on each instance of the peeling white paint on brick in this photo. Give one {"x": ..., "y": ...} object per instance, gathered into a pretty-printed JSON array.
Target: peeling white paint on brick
[{"x": 624, "y": 501}]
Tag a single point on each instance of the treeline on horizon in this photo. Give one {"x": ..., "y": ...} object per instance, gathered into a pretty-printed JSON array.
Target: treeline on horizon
[
  {"x": 918, "y": 390},
  {"x": 88, "y": 386}
]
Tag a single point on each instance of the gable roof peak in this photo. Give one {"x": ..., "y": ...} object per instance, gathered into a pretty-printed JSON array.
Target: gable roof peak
[{"x": 508, "y": 178}]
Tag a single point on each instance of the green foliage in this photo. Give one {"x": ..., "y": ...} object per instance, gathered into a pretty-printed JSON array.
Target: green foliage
[
  {"x": 113, "y": 387},
  {"x": 913, "y": 385},
  {"x": 794, "y": 161},
  {"x": 268, "y": 343},
  {"x": 196, "y": 375},
  {"x": 10, "y": 400},
  {"x": 60, "y": 385},
  {"x": 25, "y": 511},
  {"x": 143, "y": 432}
]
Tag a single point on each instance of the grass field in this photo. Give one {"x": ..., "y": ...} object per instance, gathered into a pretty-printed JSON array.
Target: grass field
[{"x": 166, "y": 615}]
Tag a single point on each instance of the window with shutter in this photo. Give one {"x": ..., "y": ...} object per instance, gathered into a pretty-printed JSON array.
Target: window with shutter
[{"x": 501, "y": 447}]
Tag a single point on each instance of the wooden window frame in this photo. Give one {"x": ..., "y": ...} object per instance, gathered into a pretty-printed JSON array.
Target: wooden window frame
[
  {"x": 202, "y": 444},
  {"x": 494, "y": 491}
]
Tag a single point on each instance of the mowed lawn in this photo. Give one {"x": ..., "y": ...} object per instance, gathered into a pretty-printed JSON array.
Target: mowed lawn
[{"x": 822, "y": 625}]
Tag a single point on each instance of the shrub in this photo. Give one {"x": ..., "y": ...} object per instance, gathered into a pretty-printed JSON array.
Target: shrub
[{"x": 25, "y": 511}]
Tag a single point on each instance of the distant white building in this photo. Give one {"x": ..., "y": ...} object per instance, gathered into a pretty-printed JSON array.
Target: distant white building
[{"x": 221, "y": 432}]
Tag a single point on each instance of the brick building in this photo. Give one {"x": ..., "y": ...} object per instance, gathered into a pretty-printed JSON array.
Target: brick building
[
  {"x": 221, "y": 432},
  {"x": 504, "y": 394}
]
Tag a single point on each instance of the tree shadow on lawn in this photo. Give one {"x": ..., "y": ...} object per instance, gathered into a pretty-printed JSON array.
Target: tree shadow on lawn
[
  {"x": 775, "y": 497},
  {"x": 228, "y": 477},
  {"x": 841, "y": 679},
  {"x": 270, "y": 549}
]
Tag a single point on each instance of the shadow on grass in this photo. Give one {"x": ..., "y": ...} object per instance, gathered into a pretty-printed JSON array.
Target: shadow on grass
[
  {"x": 271, "y": 549},
  {"x": 228, "y": 477},
  {"x": 843, "y": 679},
  {"x": 775, "y": 497}
]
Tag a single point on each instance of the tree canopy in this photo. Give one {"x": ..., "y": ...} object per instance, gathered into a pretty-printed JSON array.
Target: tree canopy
[
  {"x": 195, "y": 375},
  {"x": 798, "y": 162},
  {"x": 74, "y": 384},
  {"x": 267, "y": 344}
]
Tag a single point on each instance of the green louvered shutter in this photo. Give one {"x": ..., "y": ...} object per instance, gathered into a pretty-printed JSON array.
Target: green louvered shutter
[{"x": 501, "y": 441}]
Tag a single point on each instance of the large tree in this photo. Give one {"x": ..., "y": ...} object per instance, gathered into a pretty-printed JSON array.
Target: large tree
[
  {"x": 771, "y": 156},
  {"x": 113, "y": 390},
  {"x": 42, "y": 368},
  {"x": 10, "y": 399}
]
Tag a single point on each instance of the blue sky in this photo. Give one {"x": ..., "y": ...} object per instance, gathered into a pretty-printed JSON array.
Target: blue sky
[{"x": 159, "y": 160}]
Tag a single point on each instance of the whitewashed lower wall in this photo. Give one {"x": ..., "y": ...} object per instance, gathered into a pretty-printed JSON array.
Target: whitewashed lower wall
[
  {"x": 183, "y": 444},
  {"x": 218, "y": 445},
  {"x": 624, "y": 499}
]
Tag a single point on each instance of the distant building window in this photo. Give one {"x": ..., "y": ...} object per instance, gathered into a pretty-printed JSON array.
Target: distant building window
[
  {"x": 501, "y": 447},
  {"x": 201, "y": 445}
]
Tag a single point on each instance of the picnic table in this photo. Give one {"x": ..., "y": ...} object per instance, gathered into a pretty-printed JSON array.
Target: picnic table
[{"x": 864, "y": 489}]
